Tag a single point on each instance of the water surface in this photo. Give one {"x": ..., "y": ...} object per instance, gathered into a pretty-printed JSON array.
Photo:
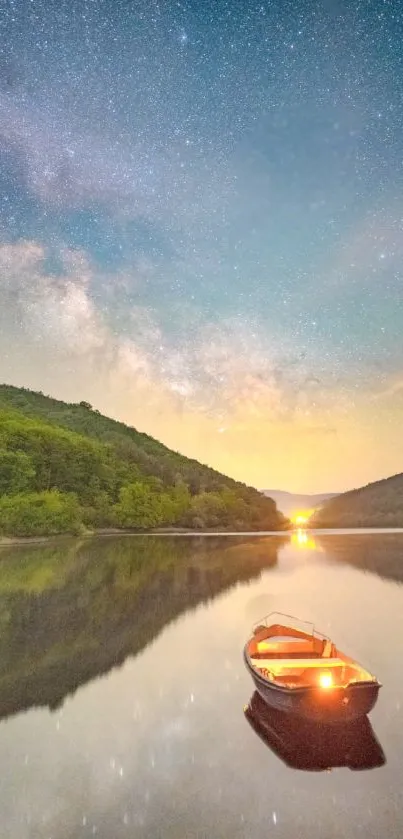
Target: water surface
[{"x": 122, "y": 688}]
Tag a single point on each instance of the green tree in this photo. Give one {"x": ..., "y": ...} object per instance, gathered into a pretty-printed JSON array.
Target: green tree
[
  {"x": 17, "y": 472},
  {"x": 138, "y": 506},
  {"x": 39, "y": 514},
  {"x": 207, "y": 509},
  {"x": 49, "y": 445}
]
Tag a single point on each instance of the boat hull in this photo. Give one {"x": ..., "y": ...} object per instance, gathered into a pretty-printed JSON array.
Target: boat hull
[{"x": 338, "y": 705}]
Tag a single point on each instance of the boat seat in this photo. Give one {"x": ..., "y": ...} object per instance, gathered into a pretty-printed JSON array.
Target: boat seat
[
  {"x": 286, "y": 655},
  {"x": 295, "y": 663},
  {"x": 288, "y": 649}
]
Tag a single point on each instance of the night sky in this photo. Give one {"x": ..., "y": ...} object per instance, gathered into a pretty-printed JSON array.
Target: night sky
[{"x": 201, "y": 226}]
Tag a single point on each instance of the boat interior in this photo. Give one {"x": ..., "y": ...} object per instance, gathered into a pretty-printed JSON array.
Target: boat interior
[{"x": 292, "y": 658}]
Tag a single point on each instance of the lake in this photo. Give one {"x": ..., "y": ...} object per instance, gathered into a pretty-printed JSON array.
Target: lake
[{"x": 123, "y": 688}]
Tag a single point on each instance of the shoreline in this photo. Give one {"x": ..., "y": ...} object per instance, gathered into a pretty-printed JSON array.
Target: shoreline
[
  {"x": 10, "y": 541},
  {"x": 15, "y": 541}
]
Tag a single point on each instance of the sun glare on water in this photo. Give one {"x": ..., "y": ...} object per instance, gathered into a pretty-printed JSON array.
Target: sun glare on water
[{"x": 301, "y": 539}]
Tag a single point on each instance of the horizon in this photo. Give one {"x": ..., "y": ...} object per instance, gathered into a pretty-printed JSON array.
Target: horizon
[{"x": 200, "y": 214}]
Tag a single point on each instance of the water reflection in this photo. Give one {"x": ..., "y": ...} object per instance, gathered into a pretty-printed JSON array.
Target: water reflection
[
  {"x": 158, "y": 746},
  {"x": 304, "y": 540},
  {"x": 374, "y": 552},
  {"x": 312, "y": 747},
  {"x": 72, "y": 611},
  {"x": 377, "y": 553}
]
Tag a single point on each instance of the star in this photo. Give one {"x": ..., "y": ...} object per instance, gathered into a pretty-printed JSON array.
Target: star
[{"x": 203, "y": 204}]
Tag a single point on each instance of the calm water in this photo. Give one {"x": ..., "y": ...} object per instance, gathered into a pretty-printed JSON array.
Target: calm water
[{"x": 122, "y": 688}]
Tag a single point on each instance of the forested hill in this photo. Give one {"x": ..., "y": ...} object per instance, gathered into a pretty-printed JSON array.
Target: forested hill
[
  {"x": 379, "y": 504},
  {"x": 65, "y": 467}
]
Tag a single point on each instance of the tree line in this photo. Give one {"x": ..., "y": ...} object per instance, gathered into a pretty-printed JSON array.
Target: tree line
[
  {"x": 379, "y": 504},
  {"x": 54, "y": 479}
]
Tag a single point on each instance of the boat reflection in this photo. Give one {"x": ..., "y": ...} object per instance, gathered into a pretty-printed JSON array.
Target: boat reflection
[{"x": 314, "y": 747}]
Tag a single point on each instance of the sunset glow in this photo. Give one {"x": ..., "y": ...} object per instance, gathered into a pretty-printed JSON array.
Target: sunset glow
[{"x": 301, "y": 519}]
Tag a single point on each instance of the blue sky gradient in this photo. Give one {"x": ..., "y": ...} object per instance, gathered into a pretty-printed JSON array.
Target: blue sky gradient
[{"x": 201, "y": 226}]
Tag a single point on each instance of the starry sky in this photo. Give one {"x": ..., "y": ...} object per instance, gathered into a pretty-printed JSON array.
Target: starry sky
[{"x": 201, "y": 226}]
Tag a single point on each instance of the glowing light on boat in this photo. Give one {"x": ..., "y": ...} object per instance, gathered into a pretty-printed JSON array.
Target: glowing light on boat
[{"x": 325, "y": 680}]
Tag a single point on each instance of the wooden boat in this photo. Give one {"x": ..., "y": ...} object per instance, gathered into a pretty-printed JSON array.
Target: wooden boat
[
  {"x": 303, "y": 673},
  {"x": 313, "y": 746}
]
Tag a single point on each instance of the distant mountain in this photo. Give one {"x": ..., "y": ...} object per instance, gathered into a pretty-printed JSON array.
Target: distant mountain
[
  {"x": 289, "y": 502},
  {"x": 379, "y": 504}
]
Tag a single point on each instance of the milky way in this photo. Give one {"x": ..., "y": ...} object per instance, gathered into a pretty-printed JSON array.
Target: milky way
[{"x": 201, "y": 226}]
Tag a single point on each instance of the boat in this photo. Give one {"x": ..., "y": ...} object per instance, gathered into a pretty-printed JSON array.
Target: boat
[
  {"x": 302, "y": 672},
  {"x": 313, "y": 746}
]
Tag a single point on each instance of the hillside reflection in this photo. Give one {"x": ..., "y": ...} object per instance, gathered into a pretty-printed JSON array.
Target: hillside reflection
[
  {"x": 72, "y": 611},
  {"x": 376, "y": 553}
]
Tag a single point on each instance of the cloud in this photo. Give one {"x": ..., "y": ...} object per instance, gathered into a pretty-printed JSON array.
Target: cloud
[
  {"x": 54, "y": 311},
  {"x": 392, "y": 387},
  {"x": 46, "y": 204},
  {"x": 224, "y": 393},
  {"x": 168, "y": 186},
  {"x": 223, "y": 371}
]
